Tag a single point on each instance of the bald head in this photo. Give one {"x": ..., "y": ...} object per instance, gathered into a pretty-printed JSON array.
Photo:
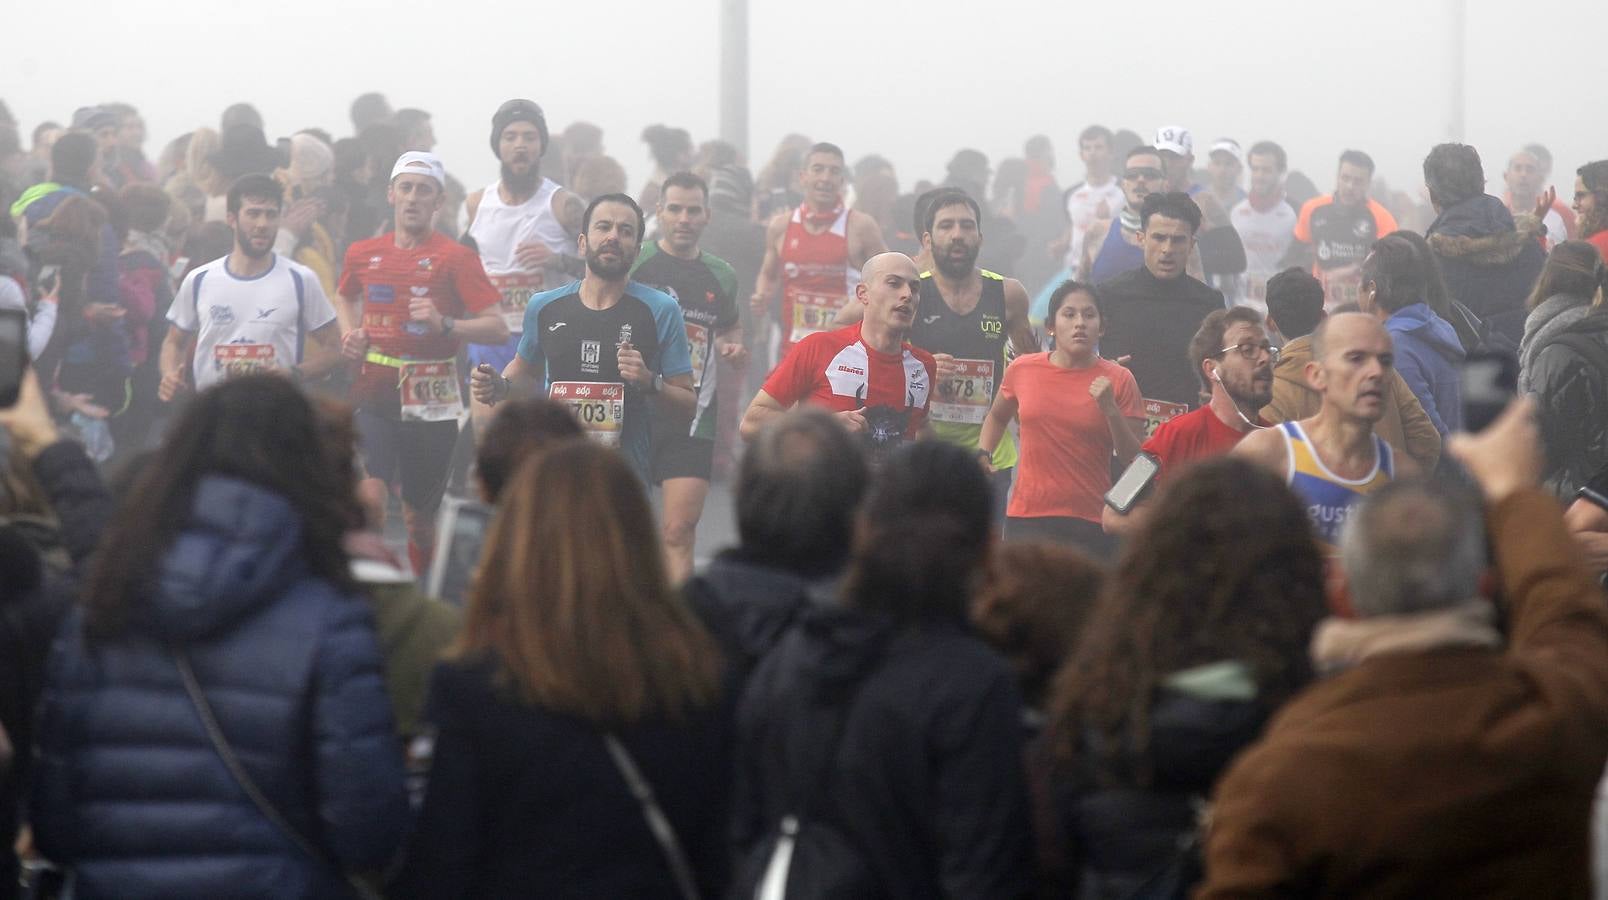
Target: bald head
[
  {"x": 1343, "y": 330},
  {"x": 889, "y": 287},
  {"x": 892, "y": 260}
]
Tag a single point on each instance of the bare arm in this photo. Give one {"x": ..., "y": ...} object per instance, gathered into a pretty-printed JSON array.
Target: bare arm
[
  {"x": 849, "y": 313},
  {"x": 1125, "y": 435},
  {"x": 1017, "y": 324},
  {"x": 175, "y": 362},
  {"x": 766, "y": 282},
  {"x": 999, "y": 416},
  {"x": 1265, "y": 448},
  {"x": 761, "y": 412},
  {"x": 865, "y": 239},
  {"x": 1588, "y": 523},
  {"x": 471, "y": 205},
  {"x": 323, "y": 351}
]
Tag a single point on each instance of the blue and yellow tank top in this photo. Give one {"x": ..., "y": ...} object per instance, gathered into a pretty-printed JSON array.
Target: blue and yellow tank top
[{"x": 1328, "y": 497}]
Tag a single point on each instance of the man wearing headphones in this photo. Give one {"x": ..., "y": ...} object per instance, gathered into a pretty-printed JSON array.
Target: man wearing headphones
[
  {"x": 524, "y": 226},
  {"x": 1234, "y": 359}
]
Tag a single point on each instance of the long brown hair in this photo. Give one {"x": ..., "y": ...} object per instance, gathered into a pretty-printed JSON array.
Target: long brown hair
[
  {"x": 1224, "y": 568},
  {"x": 572, "y": 604},
  {"x": 1573, "y": 268}
]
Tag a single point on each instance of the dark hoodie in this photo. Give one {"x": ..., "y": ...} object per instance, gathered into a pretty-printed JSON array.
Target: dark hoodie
[
  {"x": 1491, "y": 260},
  {"x": 748, "y": 605},
  {"x": 1572, "y": 405},
  {"x": 926, "y": 782},
  {"x": 1428, "y": 353},
  {"x": 129, "y": 792}
]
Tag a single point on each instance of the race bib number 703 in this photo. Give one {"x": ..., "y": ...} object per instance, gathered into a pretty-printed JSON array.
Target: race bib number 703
[{"x": 598, "y": 405}]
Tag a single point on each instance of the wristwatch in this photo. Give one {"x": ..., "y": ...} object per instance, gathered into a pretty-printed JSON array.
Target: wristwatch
[
  {"x": 654, "y": 386},
  {"x": 987, "y": 455}
]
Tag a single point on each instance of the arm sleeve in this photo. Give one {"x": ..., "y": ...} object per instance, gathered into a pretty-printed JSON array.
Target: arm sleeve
[
  {"x": 1129, "y": 399},
  {"x": 444, "y": 849},
  {"x": 184, "y": 313},
  {"x": 1422, "y": 440},
  {"x": 984, "y": 831},
  {"x": 79, "y": 498},
  {"x": 675, "y": 357},
  {"x": 530, "y": 338},
  {"x": 317, "y": 311},
  {"x": 360, "y": 776},
  {"x": 790, "y": 382},
  {"x": 474, "y": 288}
]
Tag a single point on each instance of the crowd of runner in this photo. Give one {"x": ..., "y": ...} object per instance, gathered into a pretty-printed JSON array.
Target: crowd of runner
[{"x": 1173, "y": 532}]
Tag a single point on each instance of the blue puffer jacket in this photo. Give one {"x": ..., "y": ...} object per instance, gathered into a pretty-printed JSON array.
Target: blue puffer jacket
[
  {"x": 130, "y": 794},
  {"x": 1428, "y": 354}
]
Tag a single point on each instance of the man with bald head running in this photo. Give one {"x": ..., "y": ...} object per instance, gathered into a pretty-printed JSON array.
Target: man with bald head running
[
  {"x": 868, "y": 374},
  {"x": 1333, "y": 459}
]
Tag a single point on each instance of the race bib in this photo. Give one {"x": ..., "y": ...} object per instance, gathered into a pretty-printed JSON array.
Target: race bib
[
  {"x": 813, "y": 313},
  {"x": 234, "y": 360},
  {"x": 964, "y": 394},
  {"x": 598, "y": 405},
  {"x": 1159, "y": 411},
  {"x": 516, "y": 288},
  {"x": 698, "y": 347},
  {"x": 430, "y": 391}
]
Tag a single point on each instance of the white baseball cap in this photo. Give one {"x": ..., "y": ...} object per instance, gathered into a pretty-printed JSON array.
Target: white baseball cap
[
  {"x": 1231, "y": 147},
  {"x": 417, "y": 162},
  {"x": 1175, "y": 138}
]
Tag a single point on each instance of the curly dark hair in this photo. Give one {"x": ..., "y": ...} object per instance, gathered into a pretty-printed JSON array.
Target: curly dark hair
[{"x": 1224, "y": 568}]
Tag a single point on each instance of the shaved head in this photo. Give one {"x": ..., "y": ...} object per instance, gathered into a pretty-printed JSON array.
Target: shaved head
[
  {"x": 1336, "y": 331},
  {"x": 878, "y": 264}
]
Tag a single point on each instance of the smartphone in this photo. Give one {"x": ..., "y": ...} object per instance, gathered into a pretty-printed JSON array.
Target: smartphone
[
  {"x": 49, "y": 277},
  {"x": 1490, "y": 379},
  {"x": 13, "y": 354},
  {"x": 1134, "y": 483}
]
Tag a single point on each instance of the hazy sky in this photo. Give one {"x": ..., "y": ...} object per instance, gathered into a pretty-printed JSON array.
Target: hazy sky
[{"x": 912, "y": 81}]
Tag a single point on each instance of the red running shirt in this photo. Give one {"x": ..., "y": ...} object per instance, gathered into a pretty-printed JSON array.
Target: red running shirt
[
  {"x": 835, "y": 370},
  {"x": 815, "y": 277},
  {"x": 386, "y": 278},
  {"x": 1193, "y": 436}
]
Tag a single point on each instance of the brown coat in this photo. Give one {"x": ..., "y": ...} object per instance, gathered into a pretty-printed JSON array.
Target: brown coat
[
  {"x": 1405, "y": 426},
  {"x": 1445, "y": 773}
]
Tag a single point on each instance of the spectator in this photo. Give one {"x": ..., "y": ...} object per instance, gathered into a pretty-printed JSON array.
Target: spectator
[
  {"x": 1428, "y": 352},
  {"x": 352, "y": 176},
  {"x": 1031, "y": 610},
  {"x": 1471, "y": 332},
  {"x": 550, "y": 679},
  {"x": 369, "y": 109},
  {"x": 302, "y": 236},
  {"x": 128, "y": 164},
  {"x": 226, "y": 557},
  {"x": 417, "y": 133},
  {"x": 882, "y": 727},
  {"x": 1438, "y": 758},
  {"x": 1563, "y": 362},
  {"x": 598, "y": 176},
  {"x": 243, "y": 150},
  {"x": 1491, "y": 260},
  {"x": 1294, "y": 309},
  {"x": 580, "y": 142},
  {"x": 521, "y": 429},
  {"x": 1200, "y": 637},
  {"x": 671, "y": 149},
  {"x": 241, "y": 114},
  {"x": 1591, "y": 203},
  {"x": 44, "y": 137},
  {"x": 776, "y": 185},
  {"x": 85, "y": 343},
  {"x": 40, "y": 559},
  {"x": 1155, "y": 309},
  {"x": 147, "y": 289},
  {"x": 798, "y": 487},
  {"x": 202, "y": 187}
]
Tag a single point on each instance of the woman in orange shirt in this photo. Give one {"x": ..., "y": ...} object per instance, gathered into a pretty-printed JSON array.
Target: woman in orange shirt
[{"x": 1075, "y": 410}]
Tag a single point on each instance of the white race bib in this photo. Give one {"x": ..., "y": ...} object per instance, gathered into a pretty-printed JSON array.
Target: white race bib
[
  {"x": 598, "y": 405},
  {"x": 964, "y": 394},
  {"x": 430, "y": 391},
  {"x": 234, "y": 360},
  {"x": 814, "y": 313}
]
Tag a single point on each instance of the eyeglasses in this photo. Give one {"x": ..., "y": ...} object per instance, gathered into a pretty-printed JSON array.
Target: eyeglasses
[
  {"x": 1148, "y": 174},
  {"x": 1250, "y": 350}
]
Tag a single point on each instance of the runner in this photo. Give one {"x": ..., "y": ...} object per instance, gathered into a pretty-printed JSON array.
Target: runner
[
  {"x": 524, "y": 226},
  {"x": 868, "y": 373},
  {"x": 1265, "y": 221},
  {"x": 258, "y": 311},
  {"x": 1333, "y": 459},
  {"x": 605, "y": 345},
  {"x": 407, "y": 391},
  {"x": 1234, "y": 358},
  {"x": 706, "y": 288},
  {"x": 1334, "y": 231},
  {"x": 965, "y": 316},
  {"x": 1109, "y": 252},
  {"x": 815, "y": 252},
  {"x": 1075, "y": 410},
  {"x": 1099, "y": 197}
]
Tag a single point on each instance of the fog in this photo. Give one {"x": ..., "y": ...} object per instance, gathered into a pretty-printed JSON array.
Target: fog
[{"x": 911, "y": 81}]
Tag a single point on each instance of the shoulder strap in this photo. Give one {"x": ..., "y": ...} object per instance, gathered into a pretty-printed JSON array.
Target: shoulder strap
[
  {"x": 209, "y": 722},
  {"x": 658, "y": 822},
  {"x": 1591, "y": 351}
]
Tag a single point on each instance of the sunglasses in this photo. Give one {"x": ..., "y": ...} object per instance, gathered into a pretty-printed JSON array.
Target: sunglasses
[{"x": 1146, "y": 173}]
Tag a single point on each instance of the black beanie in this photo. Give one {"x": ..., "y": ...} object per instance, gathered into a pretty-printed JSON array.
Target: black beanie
[{"x": 517, "y": 111}]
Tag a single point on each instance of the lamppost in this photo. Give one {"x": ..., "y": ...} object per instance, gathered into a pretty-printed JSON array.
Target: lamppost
[{"x": 734, "y": 74}]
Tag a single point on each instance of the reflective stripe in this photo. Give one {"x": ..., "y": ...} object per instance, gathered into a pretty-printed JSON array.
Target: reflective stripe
[{"x": 380, "y": 359}]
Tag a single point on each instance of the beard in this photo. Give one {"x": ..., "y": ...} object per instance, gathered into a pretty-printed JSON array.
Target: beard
[
  {"x": 244, "y": 242},
  {"x": 954, "y": 267},
  {"x": 518, "y": 183},
  {"x": 609, "y": 270},
  {"x": 1250, "y": 392}
]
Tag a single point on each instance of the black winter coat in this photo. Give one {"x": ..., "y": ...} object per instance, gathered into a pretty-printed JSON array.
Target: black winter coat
[
  {"x": 1572, "y": 405},
  {"x": 926, "y": 782},
  {"x": 1490, "y": 259}
]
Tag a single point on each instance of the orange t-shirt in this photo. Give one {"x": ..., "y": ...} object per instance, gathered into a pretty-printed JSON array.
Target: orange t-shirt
[{"x": 1065, "y": 466}]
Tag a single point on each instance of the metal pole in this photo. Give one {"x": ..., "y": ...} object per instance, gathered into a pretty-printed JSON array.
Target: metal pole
[
  {"x": 1456, "y": 127},
  {"x": 734, "y": 74}
]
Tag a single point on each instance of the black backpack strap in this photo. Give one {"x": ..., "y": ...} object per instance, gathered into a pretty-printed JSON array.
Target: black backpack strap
[{"x": 1592, "y": 351}]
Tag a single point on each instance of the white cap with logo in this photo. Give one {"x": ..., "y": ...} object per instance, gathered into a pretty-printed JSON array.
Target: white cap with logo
[
  {"x": 417, "y": 162},
  {"x": 1176, "y": 139},
  {"x": 1231, "y": 147}
]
